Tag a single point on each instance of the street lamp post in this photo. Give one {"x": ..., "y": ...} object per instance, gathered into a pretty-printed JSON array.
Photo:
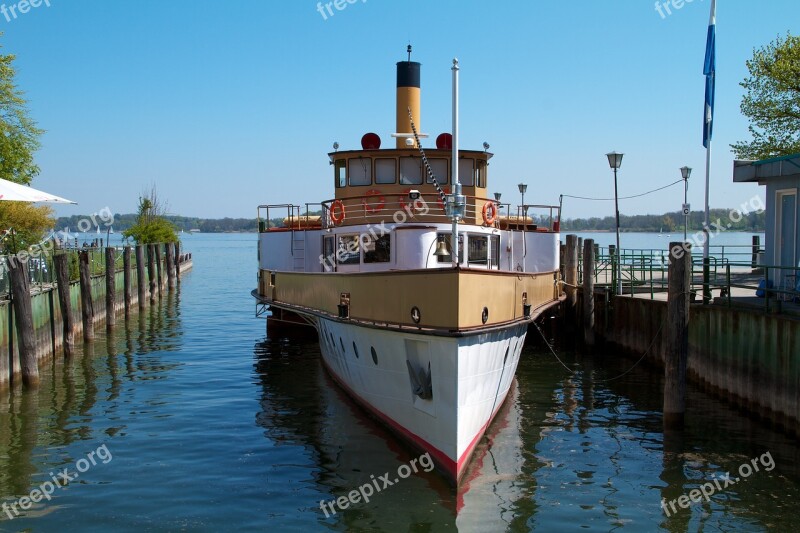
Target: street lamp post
[
  {"x": 615, "y": 161},
  {"x": 685, "y": 173},
  {"x": 522, "y": 188}
]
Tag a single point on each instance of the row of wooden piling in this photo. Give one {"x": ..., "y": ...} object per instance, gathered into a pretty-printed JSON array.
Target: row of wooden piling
[
  {"x": 675, "y": 330},
  {"x": 21, "y": 296}
]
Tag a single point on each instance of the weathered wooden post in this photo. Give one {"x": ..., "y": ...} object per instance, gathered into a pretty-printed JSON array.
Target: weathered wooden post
[
  {"x": 612, "y": 257},
  {"x": 111, "y": 289},
  {"x": 170, "y": 259},
  {"x": 140, "y": 286},
  {"x": 151, "y": 271},
  {"x": 677, "y": 328},
  {"x": 588, "y": 293},
  {"x": 87, "y": 306},
  {"x": 571, "y": 277},
  {"x": 157, "y": 248},
  {"x": 126, "y": 279},
  {"x": 23, "y": 312},
  {"x": 61, "y": 261},
  {"x": 177, "y": 262}
]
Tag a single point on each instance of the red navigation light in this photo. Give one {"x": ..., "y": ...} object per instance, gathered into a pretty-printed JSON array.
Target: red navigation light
[
  {"x": 370, "y": 141},
  {"x": 444, "y": 141}
]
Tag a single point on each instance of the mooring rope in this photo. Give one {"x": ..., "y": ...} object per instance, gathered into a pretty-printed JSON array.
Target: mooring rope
[{"x": 573, "y": 372}]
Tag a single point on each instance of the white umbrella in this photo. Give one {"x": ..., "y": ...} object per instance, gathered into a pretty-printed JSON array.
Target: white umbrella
[{"x": 22, "y": 193}]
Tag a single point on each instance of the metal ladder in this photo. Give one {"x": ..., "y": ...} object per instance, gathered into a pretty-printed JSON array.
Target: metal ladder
[{"x": 298, "y": 251}]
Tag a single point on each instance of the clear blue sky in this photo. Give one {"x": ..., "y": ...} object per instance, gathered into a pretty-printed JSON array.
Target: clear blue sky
[{"x": 225, "y": 105}]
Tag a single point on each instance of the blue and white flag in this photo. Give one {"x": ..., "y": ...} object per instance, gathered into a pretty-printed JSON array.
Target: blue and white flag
[{"x": 709, "y": 69}]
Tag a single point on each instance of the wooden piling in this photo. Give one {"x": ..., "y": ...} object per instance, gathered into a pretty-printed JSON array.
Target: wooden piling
[
  {"x": 126, "y": 279},
  {"x": 23, "y": 312},
  {"x": 170, "y": 259},
  {"x": 571, "y": 276},
  {"x": 677, "y": 334},
  {"x": 61, "y": 262},
  {"x": 87, "y": 306},
  {"x": 160, "y": 283},
  {"x": 151, "y": 271},
  {"x": 111, "y": 289},
  {"x": 177, "y": 262},
  {"x": 140, "y": 286},
  {"x": 588, "y": 293}
]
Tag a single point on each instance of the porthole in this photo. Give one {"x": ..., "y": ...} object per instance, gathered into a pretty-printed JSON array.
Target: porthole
[
  {"x": 355, "y": 349},
  {"x": 374, "y": 355}
]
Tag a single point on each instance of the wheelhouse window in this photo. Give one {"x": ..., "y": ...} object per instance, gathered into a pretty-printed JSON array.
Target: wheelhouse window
[
  {"x": 347, "y": 252},
  {"x": 385, "y": 170},
  {"x": 340, "y": 173},
  {"x": 410, "y": 171},
  {"x": 447, "y": 239},
  {"x": 359, "y": 170},
  {"x": 377, "y": 250},
  {"x": 466, "y": 172},
  {"x": 480, "y": 173},
  {"x": 439, "y": 168},
  {"x": 478, "y": 250}
]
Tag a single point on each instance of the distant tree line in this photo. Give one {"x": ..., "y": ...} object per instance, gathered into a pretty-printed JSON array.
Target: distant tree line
[{"x": 669, "y": 222}]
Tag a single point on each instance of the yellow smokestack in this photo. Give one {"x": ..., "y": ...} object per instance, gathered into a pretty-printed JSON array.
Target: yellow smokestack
[{"x": 408, "y": 96}]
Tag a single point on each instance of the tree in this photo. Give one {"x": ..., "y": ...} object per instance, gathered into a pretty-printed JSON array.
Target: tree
[
  {"x": 27, "y": 222},
  {"x": 151, "y": 224},
  {"x": 772, "y": 101},
  {"x": 19, "y": 136}
]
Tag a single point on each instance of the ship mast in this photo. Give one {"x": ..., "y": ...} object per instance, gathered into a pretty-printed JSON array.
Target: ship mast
[{"x": 456, "y": 202}]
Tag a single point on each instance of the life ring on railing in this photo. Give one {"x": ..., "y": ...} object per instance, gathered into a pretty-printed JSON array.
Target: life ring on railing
[
  {"x": 439, "y": 201},
  {"x": 337, "y": 212},
  {"x": 489, "y": 213},
  {"x": 374, "y": 208}
]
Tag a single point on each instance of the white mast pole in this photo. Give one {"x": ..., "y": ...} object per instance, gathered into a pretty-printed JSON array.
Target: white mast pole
[{"x": 454, "y": 168}]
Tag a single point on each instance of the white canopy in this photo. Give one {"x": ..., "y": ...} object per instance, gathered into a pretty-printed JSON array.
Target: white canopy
[{"x": 22, "y": 193}]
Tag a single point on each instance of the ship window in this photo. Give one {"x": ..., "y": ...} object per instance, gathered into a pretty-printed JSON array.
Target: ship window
[
  {"x": 348, "y": 251},
  {"x": 439, "y": 168},
  {"x": 359, "y": 170},
  {"x": 376, "y": 250},
  {"x": 465, "y": 172},
  {"x": 480, "y": 172},
  {"x": 328, "y": 254},
  {"x": 410, "y": 171},
  {"x": 447, "y": 238},
  {"x": 340, "y": 173},
  {"x": 478, "y": 250},
  {"x": 386, "y": 170},
  {"x": 495, "y": 242}
]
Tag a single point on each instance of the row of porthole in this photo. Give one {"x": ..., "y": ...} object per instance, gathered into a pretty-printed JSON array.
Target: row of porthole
[{"x": 355, "y": 348}]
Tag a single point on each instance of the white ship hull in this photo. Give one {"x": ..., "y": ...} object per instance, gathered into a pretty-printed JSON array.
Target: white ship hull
[{"x": 470, "y": 377}]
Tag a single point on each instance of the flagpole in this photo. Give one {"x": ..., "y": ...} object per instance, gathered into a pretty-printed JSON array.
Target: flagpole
[{"x": 707, "y": 237}]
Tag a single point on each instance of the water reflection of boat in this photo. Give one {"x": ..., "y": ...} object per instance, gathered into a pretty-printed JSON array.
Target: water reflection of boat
[{"x": 300, "y": 407}]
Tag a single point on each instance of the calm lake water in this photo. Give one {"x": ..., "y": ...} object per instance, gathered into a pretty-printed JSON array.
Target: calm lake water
[{"x": 195, "y": 421}]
